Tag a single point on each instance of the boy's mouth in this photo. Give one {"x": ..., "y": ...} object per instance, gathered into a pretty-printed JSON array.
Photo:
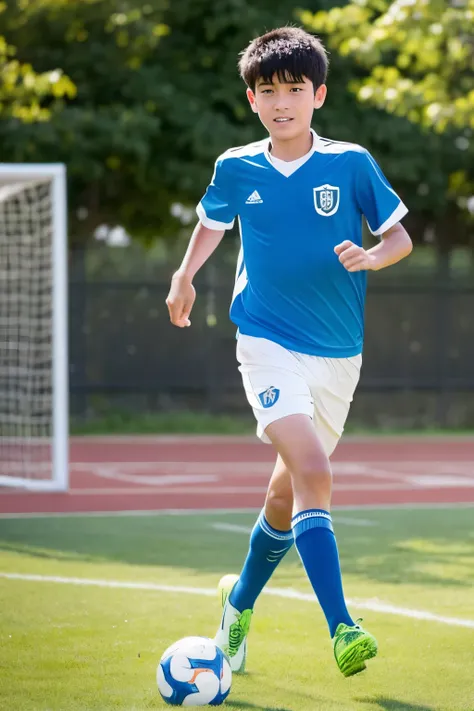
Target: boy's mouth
[{"x": 283, "y": 119}]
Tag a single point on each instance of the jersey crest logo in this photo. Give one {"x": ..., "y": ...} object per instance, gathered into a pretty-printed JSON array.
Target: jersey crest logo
[
  {"x": 326, "y": 200},
  {"x": 269, "y": 396}
]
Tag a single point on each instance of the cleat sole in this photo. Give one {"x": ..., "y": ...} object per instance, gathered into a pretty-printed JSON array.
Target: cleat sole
[{"x": 352, "y": 660}]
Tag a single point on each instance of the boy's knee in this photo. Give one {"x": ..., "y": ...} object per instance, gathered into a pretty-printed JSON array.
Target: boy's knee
[
  {"x": 312, "y": 470},
  {"x": 280, "y": 502},
  {"x": 279, "y": 508}
]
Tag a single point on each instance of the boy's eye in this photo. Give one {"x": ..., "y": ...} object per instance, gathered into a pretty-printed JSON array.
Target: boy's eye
[{"x": 293, "y": 89}]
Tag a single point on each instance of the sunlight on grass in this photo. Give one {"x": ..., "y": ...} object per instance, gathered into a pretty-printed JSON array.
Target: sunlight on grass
[
  {"x": 77, "y": 648},
  {"x": 439, "y": 547},
  {"x": 449, "y": 571}
]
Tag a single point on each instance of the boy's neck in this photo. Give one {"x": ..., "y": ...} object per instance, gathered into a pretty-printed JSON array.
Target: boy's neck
[{"x": 291, "y": 149}]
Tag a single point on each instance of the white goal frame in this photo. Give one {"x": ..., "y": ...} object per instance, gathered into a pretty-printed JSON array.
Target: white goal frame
[{"x": 55, "y": 174}]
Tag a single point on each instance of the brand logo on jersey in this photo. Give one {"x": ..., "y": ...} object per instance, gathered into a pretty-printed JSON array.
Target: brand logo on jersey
[
  {"x": 326, "y": 200},
  {"x": 269, "y": 396},
  {"x": 253, "y": 199}
]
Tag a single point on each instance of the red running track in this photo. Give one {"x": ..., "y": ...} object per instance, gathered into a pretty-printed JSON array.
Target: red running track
[{"x": 155, "y": 473}]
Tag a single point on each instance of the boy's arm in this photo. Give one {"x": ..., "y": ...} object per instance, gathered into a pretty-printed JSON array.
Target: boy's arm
[
  {"x": 394, "y": 246},
  {"x": 182, "y": 293}
]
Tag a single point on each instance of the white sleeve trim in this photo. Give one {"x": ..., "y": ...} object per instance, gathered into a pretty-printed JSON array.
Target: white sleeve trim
[
  {"x": 395, "y": 217},
  {"x": 212, "y": 224}
]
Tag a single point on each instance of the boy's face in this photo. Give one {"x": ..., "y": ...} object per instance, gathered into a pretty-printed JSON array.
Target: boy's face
[{"x": 286, "y": 109}]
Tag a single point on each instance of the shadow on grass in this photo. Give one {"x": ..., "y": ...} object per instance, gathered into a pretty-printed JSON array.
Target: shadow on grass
[
  {"x": 383, "y": 704},
  {"x": 404, "y": 547},
  {"x": 236, "y": 704}
]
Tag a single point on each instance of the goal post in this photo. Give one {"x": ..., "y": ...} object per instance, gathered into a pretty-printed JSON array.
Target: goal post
[{"x": 34, "y": 413}]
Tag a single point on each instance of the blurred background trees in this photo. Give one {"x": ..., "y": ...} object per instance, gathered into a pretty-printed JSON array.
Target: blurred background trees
[
  {"x": 420, "y": 54},
  {"x": 138, "y": 97},
  {"x": 24, "y": 94}
]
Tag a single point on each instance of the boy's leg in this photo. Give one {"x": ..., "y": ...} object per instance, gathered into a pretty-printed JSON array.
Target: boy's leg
[
  {"x": 270, "y": 540},
  {"x": 272, "y": 382},
  {"x": 296, "y": 440},
  {"x": 278, "y": 507},
  {"x": 281, "y": 385}
]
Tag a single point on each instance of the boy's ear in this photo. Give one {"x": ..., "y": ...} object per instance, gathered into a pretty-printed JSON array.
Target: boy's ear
[
  {"x": 252, "y": 100},
  {"x": 320, "y": 96}
]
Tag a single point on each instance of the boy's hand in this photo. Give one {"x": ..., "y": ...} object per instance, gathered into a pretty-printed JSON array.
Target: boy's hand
[
  {"x": 180, "y": 300},
  {"x": 354, "y": 258}
]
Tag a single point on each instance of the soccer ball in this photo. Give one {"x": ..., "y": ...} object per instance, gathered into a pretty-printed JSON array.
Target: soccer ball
[{"x": 194, "y": 672}]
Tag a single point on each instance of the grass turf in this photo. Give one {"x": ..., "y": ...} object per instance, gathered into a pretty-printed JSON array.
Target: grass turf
[
  {"x": 66, "y": 646},
  {"x": 116, "y": 422}
]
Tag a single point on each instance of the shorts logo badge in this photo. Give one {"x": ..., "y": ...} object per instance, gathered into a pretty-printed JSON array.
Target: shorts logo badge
[
  {"x": 269, "y": 396},
  {"x": 326, "y": 200}
]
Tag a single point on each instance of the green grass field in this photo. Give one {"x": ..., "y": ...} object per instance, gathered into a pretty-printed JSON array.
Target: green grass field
[
  {"x": 201, "y": 422},
  {"x": 66, "y": 646}
]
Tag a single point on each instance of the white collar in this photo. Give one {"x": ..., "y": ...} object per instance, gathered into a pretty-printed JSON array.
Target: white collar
[{"x": 287, "y": 168}]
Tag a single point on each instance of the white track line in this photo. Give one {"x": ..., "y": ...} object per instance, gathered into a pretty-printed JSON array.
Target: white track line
[
  {"x": 362, "y": 522},
  {"x": 232, "y": 528},
  {"x": 201, "y": 490},
  {"x": 382, "y": 469},
  {"x": 338, "y": 520},
  {"x": 374, "y": 605},
  {"x": 211, "y": 489},
  {"x": 208, "y": 489},
  {"x": 411, "y": 437},
  {"x": 225, "y": 512},
  {"x": 165, "y": 439}
]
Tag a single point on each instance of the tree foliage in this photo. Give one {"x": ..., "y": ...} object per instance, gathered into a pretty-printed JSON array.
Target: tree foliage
[
  {"x": 158, "y": 97},
  {"x": 420, "y": 53},
  {"x": 25, "y": 94}
]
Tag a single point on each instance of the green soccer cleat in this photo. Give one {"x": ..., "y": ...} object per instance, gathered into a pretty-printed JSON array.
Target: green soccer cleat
[
  {"x": 352, "y": 647},
  {"x": 232, "y": 634}
]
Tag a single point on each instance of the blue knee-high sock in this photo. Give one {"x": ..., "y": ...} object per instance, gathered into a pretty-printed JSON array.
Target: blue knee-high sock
[
  {"x": 317, "y": 548},
  {"x": 267, "y": 547}
]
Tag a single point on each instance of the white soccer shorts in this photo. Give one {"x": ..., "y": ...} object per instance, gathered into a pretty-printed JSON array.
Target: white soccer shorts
[{"x": 279, "y": 382}]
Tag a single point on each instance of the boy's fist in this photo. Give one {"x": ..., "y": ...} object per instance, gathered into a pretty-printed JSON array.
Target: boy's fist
[
  {"x": 180, "y": 300},
  {"x": 354, "y": 258}
]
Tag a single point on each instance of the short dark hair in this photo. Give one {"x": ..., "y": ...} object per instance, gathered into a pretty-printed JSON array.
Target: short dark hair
[{"x": 289, "y": 52}]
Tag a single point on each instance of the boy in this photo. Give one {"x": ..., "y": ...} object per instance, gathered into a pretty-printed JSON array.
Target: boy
[{"x": 298, "y": 304}]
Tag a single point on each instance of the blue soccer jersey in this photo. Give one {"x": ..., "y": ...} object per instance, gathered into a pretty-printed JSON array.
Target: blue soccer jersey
[{"x": 290, "y": 286}]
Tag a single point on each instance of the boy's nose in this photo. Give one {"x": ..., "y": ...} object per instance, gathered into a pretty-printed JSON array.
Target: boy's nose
[{"x": 281, "y": 103}]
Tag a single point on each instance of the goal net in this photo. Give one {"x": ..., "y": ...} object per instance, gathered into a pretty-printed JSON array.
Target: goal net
[{"x": 33, "y": 327}]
